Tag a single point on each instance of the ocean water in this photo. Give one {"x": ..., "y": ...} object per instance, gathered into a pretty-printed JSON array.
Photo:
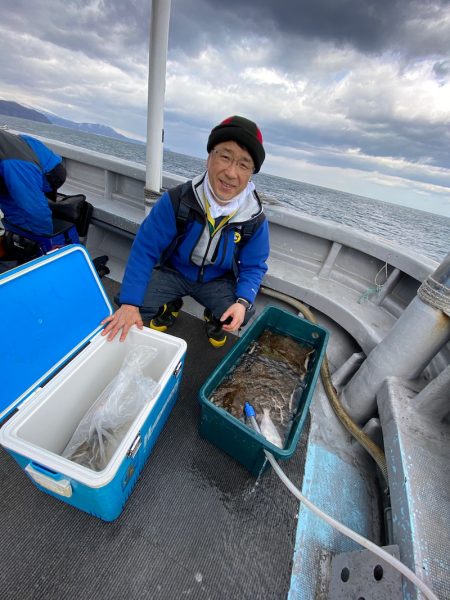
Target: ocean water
[{"x": 424, "y": 232}]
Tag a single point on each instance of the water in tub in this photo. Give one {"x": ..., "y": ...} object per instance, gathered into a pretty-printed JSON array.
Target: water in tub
[{"x": 271, "y": 376}]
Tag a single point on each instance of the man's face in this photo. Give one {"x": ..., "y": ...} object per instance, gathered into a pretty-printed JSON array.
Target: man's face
[{"x": 229, "y": 170}]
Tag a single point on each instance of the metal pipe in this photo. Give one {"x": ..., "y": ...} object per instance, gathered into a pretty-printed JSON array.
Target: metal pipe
[
  {"x": 418, "y": 335},
  {"x": 434, "y": 399},
  {"x": 159, "y": 37}
]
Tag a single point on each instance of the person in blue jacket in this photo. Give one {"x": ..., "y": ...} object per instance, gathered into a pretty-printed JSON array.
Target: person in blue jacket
[
  {"x": 207, "y": 239},
  {"x": 29, "y": 174}
]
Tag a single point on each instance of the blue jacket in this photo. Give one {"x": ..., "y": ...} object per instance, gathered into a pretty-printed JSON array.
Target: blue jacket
[
  {"x": 24, "y": 162},
  {"x": 197, "y": 255}
]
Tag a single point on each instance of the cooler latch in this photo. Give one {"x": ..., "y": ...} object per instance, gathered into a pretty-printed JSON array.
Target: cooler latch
[
  {"x": 135, "y": 446},
  {"x": 178, "y": 368}
]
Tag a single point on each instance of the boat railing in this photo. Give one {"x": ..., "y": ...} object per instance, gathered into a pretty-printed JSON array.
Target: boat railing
[{"x": 361, "y": 281}]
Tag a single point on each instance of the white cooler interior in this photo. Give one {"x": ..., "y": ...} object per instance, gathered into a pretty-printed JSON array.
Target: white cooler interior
[{"x": 52, "y": 421}]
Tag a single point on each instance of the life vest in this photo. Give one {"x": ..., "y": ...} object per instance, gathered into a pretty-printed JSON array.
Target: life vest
[{"x": 186, "y": 209}]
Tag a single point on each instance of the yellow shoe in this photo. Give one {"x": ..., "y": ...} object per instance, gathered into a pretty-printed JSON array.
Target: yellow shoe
[
  {"x": 216, "y": 335},
  {"x": 167, "y": 315},
  {"x": 218, "y": 343},
  {"x": 154, "y": 325}
]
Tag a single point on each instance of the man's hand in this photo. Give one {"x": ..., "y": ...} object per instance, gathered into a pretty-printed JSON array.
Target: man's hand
[
  {"x": 237, "y": 313},
  {"x": 124, "y": 318}
]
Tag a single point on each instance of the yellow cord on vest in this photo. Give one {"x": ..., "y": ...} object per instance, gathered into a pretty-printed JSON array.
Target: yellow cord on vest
[{"x": 212, "y": 222}]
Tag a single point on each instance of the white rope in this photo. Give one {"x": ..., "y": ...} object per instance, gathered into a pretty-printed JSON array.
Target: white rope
[{"x": 378, "y": 286}]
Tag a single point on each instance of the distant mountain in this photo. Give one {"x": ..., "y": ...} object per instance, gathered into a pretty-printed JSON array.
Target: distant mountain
[
  {"x": 13, "y": 109},
  {"x": 87, "y": 127}
]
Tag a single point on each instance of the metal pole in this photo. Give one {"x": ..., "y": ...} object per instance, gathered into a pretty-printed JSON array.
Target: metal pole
[
  {"x": 159, "y": 37},
  {"x": 418, "y": 335}
]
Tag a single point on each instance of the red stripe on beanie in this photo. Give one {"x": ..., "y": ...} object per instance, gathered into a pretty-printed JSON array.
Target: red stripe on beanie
[
  {"x": 258, "y": 131},
  {"x": 244, "y": 132}
]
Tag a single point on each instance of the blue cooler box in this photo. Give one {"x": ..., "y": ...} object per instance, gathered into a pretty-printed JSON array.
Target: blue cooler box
[{"x": 54, "y": 364}]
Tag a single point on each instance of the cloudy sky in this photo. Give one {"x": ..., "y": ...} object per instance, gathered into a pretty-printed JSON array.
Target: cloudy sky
[{"x": 349, "y": 94}]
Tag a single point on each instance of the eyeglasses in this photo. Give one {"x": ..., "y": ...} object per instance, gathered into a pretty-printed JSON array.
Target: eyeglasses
[{"x": 225, "y": 158}]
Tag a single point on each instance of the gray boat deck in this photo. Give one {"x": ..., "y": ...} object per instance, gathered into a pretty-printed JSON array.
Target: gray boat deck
[{"x": 197, "y": 524}]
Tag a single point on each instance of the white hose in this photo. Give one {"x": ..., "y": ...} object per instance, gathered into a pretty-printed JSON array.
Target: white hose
[
  {"x": 350, "y": 533},
  {"x": 404, "y": 570}
]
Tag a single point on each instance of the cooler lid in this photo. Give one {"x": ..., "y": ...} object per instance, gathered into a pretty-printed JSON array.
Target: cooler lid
[{"x": 50, "y": 308}]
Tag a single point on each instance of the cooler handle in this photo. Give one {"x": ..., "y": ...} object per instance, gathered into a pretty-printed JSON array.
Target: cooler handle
[{"x": 54, "y": 482}]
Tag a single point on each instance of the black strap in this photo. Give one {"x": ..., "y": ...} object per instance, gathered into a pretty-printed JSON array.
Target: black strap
[
  {"x": 182, "y": 198},
  {"x": 182, "y": 216},
  {"x": 249, "y": 228}
]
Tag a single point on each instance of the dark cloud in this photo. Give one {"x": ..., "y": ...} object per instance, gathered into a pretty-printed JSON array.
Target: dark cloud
[
  {"x": 364, "y": 24},
  {"x": 410, "y": 27},
  {"x": 418, "y": 143},
  {"x": 360, "y": 164},
  {"x": 117, "y": 30},
  {"x": 109, "y": 30},
  {"x": 336, "y": 156},
  {"x": 346, "y": 83}
]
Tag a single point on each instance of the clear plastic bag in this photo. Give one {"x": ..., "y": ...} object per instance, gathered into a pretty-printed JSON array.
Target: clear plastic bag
[{"x": 106, "y": 423}]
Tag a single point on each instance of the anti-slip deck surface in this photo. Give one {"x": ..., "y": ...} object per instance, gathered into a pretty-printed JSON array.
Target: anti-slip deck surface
[{"x": 197, "y": 525}]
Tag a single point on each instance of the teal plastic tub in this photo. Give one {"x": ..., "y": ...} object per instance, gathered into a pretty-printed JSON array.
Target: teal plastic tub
[{"x": 232, "y": 435}]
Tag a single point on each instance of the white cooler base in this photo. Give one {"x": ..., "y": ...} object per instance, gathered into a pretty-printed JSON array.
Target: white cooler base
[{"x": 38, "y": 433}]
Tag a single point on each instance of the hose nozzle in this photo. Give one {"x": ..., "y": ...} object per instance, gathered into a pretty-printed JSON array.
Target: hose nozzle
[
  {"x": 249, "y": 411},
  {"x": 250, "y": 415}
]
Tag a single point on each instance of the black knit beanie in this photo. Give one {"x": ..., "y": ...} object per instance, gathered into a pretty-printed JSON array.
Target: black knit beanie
[{"x": 243, "y": 132}]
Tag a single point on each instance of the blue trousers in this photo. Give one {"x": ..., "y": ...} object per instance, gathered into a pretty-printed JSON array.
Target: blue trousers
[{"x": 167, "y": 285}]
